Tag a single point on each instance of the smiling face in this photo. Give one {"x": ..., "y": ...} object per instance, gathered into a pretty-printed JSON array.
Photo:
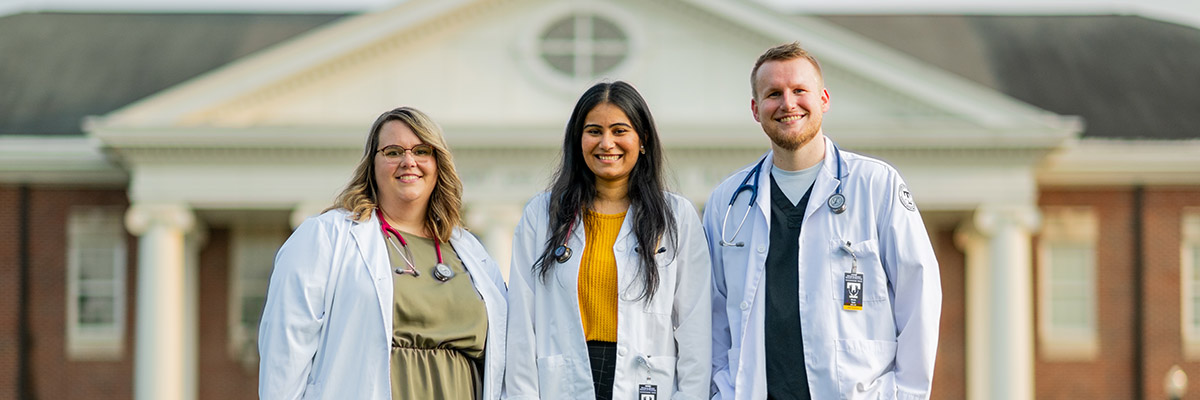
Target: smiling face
[
  {"x": 788, "y": 102},
  {"x": 407, "y": 181},
  {"x": 610, "y": 145}
]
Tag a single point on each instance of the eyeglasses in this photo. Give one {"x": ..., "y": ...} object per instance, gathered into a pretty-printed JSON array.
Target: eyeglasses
[{"x": 420, "y": 152}]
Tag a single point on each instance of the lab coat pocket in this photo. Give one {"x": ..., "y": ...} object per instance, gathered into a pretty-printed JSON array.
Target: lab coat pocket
[
  {"x": 554, "y": 377},
  {"x": 866, "y": 369},
  {"x": 866, "y": 256},
  {"x": 658, "y": 371}
]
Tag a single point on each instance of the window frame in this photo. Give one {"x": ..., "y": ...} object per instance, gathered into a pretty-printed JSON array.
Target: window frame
[
  {"x": 243, "y": 236},
  {"x": 1189, "y": 255},
  {"x": 539, "y": 69},
  {"x": 96, "y": 342},
  {"x": 1068, "y": 226}
]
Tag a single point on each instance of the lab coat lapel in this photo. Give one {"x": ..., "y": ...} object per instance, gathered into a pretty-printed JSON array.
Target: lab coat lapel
[
  {"x": 373, "y": 252},
  {"x": 764, "y": 186},
  {"x": 826, "y": 183}
]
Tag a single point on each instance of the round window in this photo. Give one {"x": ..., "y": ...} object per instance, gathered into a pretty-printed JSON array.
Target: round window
[{"x": 584, "y": 46}]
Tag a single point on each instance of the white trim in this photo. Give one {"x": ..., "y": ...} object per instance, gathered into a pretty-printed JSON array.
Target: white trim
[
  {"x": 1188, "y": 247},
  {"x": 74, "y": 160},
  {"x": 1070, "y": 226},
  {"x": 1123, "y": 162},
  {"x": 100, "y": 342}
]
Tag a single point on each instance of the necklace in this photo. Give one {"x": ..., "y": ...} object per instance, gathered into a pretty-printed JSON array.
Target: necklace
[{"x": 441, "y": 271}]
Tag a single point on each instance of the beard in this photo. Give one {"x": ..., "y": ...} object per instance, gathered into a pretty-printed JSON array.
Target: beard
[{"x": 791, "y": 142}]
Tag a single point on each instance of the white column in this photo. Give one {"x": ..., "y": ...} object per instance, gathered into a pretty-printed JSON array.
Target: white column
[
  {"x": 159, "y": 356},
  {"x": 1000, "y": 323},
  {"x": 495, "y": 223},
  {"x": 194, "y": 242}
]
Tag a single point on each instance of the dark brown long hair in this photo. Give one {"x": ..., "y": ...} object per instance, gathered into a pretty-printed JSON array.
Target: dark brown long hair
[{"x": 574, "y": 185}]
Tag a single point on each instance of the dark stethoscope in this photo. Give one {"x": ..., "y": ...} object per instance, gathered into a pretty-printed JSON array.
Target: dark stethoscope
[
  {"x": 836, "y": 202},
  {"x": 441, "y": 271},
  {"x": 562, "y": 253}
]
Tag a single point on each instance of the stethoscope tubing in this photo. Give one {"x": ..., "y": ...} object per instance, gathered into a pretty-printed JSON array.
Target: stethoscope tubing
[{"x": 836, "y": 202}]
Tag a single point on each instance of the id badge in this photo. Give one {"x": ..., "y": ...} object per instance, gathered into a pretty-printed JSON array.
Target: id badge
[
  {"x": 647, "y": 391},
  {"x": 852, "y": 292}
]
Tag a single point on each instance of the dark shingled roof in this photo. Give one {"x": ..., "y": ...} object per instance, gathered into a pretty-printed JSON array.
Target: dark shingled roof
[
  {"x": 1128, "y": 77},
  {"x": 56, "y": 68}
]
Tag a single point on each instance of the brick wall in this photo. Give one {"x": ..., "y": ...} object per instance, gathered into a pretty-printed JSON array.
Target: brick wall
[
  {"x": 221, "y": 376},
  {"x": 53, "y": 375},
  {"x": 1111, "y": 374},
  {"x": 10, "y": 307},
  {"x": 1162, "y": 330},
  {"x": 950, "y": 372}
]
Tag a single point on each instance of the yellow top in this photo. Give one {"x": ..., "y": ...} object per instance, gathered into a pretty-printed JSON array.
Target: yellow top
[{"x": 598, "y": 276}]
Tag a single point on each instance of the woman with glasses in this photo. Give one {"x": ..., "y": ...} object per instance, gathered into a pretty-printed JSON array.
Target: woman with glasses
[
  {"x": 609, "y": 295},
  {"x": 384, "y": 295}
]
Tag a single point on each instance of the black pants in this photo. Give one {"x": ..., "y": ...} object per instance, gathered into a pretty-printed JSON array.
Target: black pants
[{"x": 604, "y": 364}]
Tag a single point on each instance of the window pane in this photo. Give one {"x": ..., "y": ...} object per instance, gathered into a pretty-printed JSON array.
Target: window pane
[
  {"x": 1069, "y": 314},
  {"x": 1068, "y": 261},
  {"x": 605, "y": 29},
  {"x": 564, "y": 29},
  {"x": 96, "y": 310},
  {"x": 602, "y": 64},
  {"x": 562, "y": 63},
  {"x": 252, "y": 308},
  {"x": 96, "y": 264}
]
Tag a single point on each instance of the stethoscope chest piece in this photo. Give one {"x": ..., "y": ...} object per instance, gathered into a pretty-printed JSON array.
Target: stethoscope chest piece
[
  {"x": 442, "y": 272},
  {"x": 562, "y": 253},
  {"x": 837, "y": 203}
]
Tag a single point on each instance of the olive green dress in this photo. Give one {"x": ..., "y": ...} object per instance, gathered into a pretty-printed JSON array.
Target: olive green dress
[{"x": 438, "y": 329}]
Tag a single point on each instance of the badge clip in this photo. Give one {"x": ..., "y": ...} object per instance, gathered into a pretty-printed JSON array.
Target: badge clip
[{"x": 852, "y": 288}]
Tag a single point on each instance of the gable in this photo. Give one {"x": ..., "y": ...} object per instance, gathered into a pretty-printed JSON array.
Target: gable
[{"x": 475, "y": 66}]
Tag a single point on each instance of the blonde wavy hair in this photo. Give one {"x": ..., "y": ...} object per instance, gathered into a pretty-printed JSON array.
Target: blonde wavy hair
[{"x": 445, "y": 203}]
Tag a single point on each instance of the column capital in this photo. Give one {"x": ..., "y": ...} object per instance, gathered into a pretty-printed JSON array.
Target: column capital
[
  {"x": 141, "y": 216},
  {"x": 989, "y": 217}
]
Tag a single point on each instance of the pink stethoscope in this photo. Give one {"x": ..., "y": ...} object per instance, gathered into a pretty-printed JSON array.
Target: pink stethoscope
[{"x": 441, "y": 271}]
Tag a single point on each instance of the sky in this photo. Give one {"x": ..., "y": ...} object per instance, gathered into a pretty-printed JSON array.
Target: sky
[{"x": 1179, "y": 11}]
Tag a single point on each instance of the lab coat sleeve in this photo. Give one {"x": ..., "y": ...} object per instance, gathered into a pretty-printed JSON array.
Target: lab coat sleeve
[
  {"x": 521, "y": 374},
  {"x": 294, "y": 313},
  {"x": 692, "y": 308},
  {"x": 912, "y": 269},
  {"x": 722, "y": 381}
]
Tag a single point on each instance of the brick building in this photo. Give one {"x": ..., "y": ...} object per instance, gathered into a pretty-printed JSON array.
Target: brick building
[{"x": 150, "y": 164}]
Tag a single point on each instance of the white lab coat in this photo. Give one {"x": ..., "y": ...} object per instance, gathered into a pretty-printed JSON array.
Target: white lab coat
[
  {"x": 884, "y": 351},
  {"x": 665, "y": 343},
  {"x": 326, "y": 329}
]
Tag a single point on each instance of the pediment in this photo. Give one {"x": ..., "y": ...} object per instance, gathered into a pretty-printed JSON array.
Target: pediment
[{"x": 475, "y": 67}]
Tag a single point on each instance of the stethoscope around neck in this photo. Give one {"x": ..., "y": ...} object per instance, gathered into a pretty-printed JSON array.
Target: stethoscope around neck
[
  {"x": 441, "y": 271},
  {"x": 836, "y": 202}
]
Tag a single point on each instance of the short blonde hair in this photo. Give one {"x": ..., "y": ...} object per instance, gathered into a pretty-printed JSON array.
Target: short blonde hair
[
  {"x": 783, "y": 52},
  {"x": 445, "y": 203}
]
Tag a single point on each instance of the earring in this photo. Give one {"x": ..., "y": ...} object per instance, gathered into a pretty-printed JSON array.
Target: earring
[{"x": 643, "y": 149}]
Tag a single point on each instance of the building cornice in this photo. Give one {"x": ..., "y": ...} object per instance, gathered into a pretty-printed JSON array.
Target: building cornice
[
  {"x": 71, "y": 160},
  {"x": 1105, "y": 162}
]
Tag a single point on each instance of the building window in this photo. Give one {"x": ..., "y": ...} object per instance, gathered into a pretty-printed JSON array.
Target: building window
[
  {"x": 95, "y": 283},
  {"x": 1190, "y": 264},
  {"x": 583, "y": 46},
  {"x": 1067, "y": 328},
  {"x": 252, "y": 256}
]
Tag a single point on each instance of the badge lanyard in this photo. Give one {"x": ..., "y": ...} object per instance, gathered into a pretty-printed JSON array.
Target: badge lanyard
[
  {"x": 852, "y": 290},
  {"x": 441, "y": 272}
]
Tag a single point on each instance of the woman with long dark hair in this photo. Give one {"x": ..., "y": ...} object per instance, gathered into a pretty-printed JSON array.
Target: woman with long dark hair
[{"x": 609, "y": 287}]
